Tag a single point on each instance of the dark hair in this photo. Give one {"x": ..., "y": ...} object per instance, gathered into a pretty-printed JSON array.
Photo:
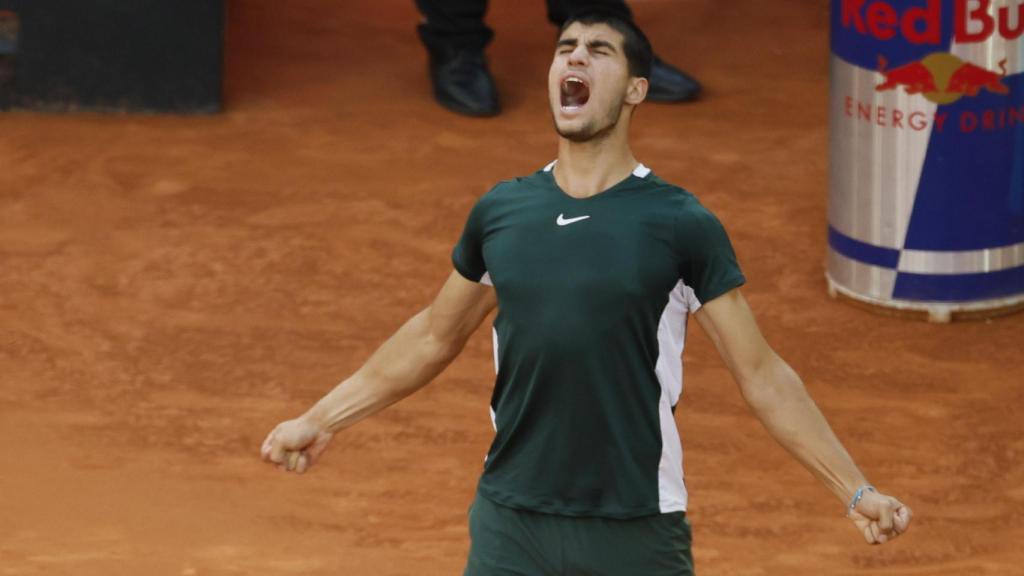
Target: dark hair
[{"x": 635, "y": 44}]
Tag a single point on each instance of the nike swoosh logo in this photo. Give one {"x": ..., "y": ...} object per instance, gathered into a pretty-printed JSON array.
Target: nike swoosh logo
[{"x": 563, "y": 221}]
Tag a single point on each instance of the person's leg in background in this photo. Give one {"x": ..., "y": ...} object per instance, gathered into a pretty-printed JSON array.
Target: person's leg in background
[
  {"x": 455, "y": 35},
  {"x": 668, "y": 83}
]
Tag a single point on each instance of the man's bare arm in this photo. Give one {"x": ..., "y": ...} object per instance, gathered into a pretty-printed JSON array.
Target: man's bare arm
[
  {"x": 777, "y": 396},
  {"x": 411, "y": 358},
  {"x": 406, "y": 362}
]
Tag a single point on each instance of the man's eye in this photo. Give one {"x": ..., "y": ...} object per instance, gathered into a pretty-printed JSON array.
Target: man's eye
[{"x": 565, "y": 51}]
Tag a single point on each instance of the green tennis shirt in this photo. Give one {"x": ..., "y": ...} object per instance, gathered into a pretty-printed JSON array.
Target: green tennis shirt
[{"x": 593, "y": 299}]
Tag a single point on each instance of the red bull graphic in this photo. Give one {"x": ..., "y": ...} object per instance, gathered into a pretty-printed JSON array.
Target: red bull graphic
[
  {"x": 915, "y": 77},
  {"x": 970, "y": 79},
  {"x": 942, "y": 78}
]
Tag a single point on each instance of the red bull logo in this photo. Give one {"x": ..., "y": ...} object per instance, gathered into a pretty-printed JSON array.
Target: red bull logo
[
  {"x": 939, "y": 78},
  {"x": 973, "y": 21},
  {"x": 942, "y": 78}
]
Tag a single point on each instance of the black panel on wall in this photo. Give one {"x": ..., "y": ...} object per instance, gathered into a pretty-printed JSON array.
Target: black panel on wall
[{"x": 122, "y": 55}]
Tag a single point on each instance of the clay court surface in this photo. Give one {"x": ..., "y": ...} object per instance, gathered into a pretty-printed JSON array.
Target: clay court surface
[{"x": 171, "y": 288}]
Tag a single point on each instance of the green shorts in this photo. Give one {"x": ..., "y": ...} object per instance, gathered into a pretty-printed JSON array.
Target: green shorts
[{"x": 511, "y": 542}]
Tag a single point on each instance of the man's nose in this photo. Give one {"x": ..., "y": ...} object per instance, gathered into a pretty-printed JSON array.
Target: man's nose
[{"x": 579, "y": 56}]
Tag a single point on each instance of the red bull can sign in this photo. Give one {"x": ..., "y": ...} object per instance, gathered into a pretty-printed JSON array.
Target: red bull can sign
[{"x": 926, "y": 182}]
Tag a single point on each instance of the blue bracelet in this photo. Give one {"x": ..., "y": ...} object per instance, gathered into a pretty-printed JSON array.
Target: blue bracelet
[{"x": 857, "y": 496}]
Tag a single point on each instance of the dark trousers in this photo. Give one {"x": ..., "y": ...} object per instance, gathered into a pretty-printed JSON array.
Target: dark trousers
[
  {"x": 457, "y": 24},
  {"x": 506, "y": 541}
]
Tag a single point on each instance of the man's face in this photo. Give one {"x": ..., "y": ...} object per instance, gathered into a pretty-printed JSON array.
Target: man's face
[{"x": 589, "y": 81}]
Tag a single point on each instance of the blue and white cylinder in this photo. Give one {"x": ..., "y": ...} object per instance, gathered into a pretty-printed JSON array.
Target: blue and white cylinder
[{"x": 926, "y": 192}]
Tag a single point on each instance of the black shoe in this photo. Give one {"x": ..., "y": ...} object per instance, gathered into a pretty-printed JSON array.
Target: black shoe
[
  {"x": 670, "y": 84},
  {"x": 462, "y": 82}
]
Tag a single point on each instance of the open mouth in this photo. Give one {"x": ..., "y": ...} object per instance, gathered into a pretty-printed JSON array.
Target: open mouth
[{"x": 575, "y": 93}]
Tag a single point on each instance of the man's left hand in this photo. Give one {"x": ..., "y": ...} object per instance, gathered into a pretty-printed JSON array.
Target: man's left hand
[{"x": 880, "y": 518}]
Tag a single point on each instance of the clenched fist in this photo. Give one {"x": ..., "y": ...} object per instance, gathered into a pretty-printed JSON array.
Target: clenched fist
[
  {"x": 880, "y": 518},
  {"x": 295, "y": 445}
]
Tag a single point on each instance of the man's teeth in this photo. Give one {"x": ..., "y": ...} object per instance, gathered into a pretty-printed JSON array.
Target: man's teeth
[{"x": 575, "y": 93}]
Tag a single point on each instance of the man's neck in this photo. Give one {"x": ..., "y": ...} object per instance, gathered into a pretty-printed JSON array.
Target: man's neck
[{"x": 588, "y": 168}]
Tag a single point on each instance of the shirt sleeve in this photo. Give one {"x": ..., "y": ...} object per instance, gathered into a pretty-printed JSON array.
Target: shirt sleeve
[
  {"x": 708, "y": 263},
  {"x": 468, "y": 254}
]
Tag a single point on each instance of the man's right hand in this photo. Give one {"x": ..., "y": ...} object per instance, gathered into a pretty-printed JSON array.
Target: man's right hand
[{"x": 295, "y": 445}]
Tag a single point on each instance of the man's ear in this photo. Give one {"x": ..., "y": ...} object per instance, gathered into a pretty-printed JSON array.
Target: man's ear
[{"x": 637, "y": 90}]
